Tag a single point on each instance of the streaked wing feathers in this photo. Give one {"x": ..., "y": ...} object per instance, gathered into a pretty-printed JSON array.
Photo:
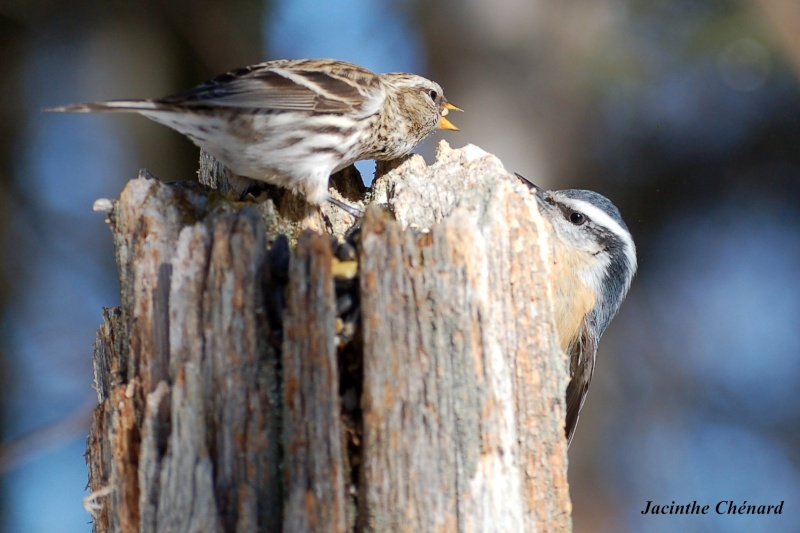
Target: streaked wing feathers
[{"x": 285, "y": 85}]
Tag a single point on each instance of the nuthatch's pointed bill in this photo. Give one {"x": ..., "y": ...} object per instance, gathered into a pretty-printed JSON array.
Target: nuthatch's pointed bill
[{"x": 538, "y": 191}]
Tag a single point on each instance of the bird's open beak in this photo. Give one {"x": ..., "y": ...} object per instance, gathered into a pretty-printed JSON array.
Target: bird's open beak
[{"x": 445, "y": 124}]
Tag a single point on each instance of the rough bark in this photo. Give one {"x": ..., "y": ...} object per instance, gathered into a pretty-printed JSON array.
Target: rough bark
[{"x": 230, "y": 398}]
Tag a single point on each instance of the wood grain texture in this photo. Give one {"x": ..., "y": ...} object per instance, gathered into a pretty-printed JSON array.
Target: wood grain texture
[
  {"x": 463, "y": 383},
  {"x": 313, "y": 467},
  {"x": 225, "y": 404},
  {"x": 191, "y": 418}
]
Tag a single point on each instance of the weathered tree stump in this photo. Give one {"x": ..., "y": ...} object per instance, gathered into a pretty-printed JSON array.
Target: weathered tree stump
[{"x": 230, "y": 399}]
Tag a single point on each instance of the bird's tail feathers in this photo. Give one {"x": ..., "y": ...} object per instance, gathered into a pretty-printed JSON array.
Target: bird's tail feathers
[{"x": 131, "y": 106}]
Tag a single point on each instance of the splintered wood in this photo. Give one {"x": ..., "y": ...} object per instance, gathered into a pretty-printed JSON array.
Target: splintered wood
[{"x": 230, "y": 399}]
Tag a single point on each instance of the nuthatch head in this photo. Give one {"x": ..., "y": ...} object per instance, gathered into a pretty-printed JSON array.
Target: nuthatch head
[{"x": 594, "y": 260}]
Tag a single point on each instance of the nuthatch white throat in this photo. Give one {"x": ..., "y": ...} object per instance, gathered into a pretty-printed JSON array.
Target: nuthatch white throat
[{"x": 593, "y": 263}]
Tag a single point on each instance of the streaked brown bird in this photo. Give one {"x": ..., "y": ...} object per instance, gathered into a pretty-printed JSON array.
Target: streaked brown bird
[{"x": 293, "y": 123}]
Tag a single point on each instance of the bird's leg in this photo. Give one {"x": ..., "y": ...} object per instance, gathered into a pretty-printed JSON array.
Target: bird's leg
[{"x": 347, "y": 208}]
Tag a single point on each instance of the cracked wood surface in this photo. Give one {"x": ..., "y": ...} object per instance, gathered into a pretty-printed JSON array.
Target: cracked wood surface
[{"x": 224, "y": 403}]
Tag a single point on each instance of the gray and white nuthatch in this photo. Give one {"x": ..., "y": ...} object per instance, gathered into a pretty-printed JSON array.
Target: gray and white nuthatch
[{"x": 593, "y": 263}]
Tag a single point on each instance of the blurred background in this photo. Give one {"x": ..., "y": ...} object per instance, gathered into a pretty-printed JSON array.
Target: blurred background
[{"x": 686, "y": 113}]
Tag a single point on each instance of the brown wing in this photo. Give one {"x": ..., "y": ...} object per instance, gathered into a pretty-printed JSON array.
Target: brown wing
[
  {"x": 301, "y": 85},
  {"x": 582, "y": 357}
]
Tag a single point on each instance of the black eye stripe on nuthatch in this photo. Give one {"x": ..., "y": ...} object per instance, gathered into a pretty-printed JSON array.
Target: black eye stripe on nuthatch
[{"x": 600, "y": 256}]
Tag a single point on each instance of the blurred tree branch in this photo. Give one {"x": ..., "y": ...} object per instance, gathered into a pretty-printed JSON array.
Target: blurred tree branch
[{"x": 24, "y": 448}]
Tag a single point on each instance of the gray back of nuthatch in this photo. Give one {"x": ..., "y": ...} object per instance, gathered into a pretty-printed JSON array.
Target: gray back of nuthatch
[{"x": 594, "y": 260}]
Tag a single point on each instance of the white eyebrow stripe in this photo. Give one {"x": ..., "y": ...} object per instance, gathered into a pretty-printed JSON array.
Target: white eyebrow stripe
[{"x": 603, "y": 219}]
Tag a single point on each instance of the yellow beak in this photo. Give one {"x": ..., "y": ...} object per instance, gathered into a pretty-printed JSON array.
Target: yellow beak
[{"x": 445, "y": 124}]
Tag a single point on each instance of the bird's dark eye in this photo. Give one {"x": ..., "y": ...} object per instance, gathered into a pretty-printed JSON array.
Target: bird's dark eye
[
  {"x": 434, "y": 95},
  {"x": 577, "y": 218}
]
